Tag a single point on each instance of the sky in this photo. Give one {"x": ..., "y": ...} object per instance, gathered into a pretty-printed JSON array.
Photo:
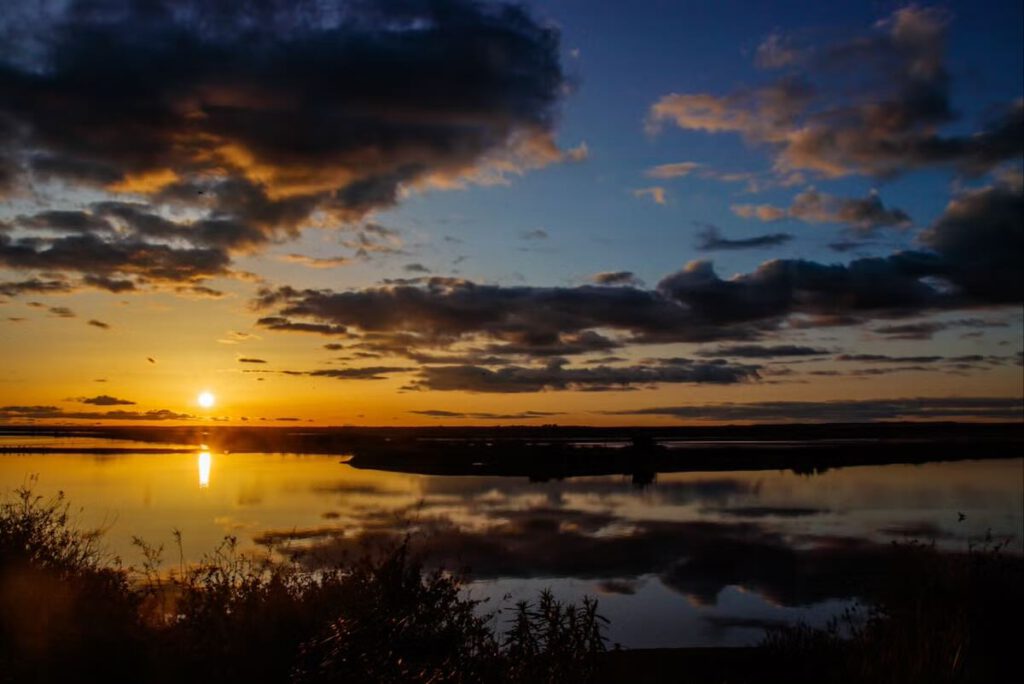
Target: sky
[{"x": 455, "y": 212}]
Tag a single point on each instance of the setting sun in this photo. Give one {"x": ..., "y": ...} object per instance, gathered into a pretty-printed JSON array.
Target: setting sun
[{"x": 206, "y": 399}]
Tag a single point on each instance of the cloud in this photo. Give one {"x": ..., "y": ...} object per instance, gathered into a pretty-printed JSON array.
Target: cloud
[
  {"x": 98, "y": 324},
  {"x": 876, "y": 286},
  {"x": 755, "y": 351},
  {"x": 861, "y": 216},
  {"x": 415, "y": 268},
  {"x": 960, "y": 269},
  {"x": 101, "y": 259},
  {"x": 219, "y": 128},
  {"x": 932, "y": 408},
  {"x": 251, "y": 360},
  {"x": 536, "y": 234},
  {"x": 365, "y": 373},
  {"x": 522, "y": 415},
  {"x": 710, "y": 239},
  {"x": 968, "y": 260},
  {"x": 555, "y": 376},
  {"x": 674, "y": 170},
  {"x": 278, "y": 323},
  {"x": 64, "y": 221},
  {"x": 315, "y": 262},
  {"x": 924, "y": 330},
  {"x": 762, "y": 212},
  {"x": 61, "y": 312},
  {"x": 888, "y": 120},
  {"x": 566, "y": 344},
  {"x": 775, "y": 52},
  {"x": 372, "y": 239},
  {"x": 657, "y": 193},
  {"x": 19, "y": 413},
  {"x": 884, "y": 358},
  {"x": 443, "y": 310},
  {"x": 615, "y": 278},
  {"x": 981, "y": 235},
  {"x": 34, "y": 286},
  {"x": 105, "y": 400}
]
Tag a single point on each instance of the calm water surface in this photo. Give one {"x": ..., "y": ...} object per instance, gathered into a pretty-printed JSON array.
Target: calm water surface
[{"x": 692, "y": 559}]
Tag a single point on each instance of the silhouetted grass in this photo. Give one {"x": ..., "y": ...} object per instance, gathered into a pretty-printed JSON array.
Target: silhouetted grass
[
  {"x": 64, "y": 607},
  {"x": 936, "y": 618},
  {"x": 68, "y": 613}
]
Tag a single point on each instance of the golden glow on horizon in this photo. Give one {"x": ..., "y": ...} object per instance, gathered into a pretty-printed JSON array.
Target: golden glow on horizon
[
  {"x": 206, "y": 399},
  {"x": 205, "y": 461}
]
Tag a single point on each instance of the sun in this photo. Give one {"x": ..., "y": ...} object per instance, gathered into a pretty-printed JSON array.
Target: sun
[{"x": 206, "y": 399}]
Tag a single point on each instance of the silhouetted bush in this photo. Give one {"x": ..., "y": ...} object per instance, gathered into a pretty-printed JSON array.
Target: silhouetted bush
[
  {"x": 67, "y": 613},
  {"x": 936, "y": 618},
  {"x": 64, "y": 607},
  {"x": 554, "y": 642}
]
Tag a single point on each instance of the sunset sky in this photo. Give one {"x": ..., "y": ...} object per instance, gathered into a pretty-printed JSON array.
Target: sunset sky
[{"x": 458, "y": 212}]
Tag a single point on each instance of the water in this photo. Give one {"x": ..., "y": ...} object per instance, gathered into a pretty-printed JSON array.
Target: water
[{"x": 692, "y": 559}]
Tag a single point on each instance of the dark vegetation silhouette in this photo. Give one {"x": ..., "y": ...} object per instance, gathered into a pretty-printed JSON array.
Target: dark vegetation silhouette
[
  {"x": 940, "y": 618},
  {"x": 69, "y": 612}
]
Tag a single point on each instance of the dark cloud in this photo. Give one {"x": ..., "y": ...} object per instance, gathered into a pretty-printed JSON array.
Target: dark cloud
[
  {"x": 711, "y": 239},
  {"x": 415, "y": 268},
  {"x": 278, "y": 323},
  {"x": 768, "y": 511},
  {"x": 981, "y": 236},
  {"x": 61, "y": 312},
  {"x": 105, "y": 400},
  {"x": 754, "y": 351},
  {"x": 108, "y": 284},
  {"x": 536, "y": 234},
  {"x": 522, "y": 415},
  {"x": 64, "y": 221},
  {"x": 54, "y": 413},
  {"x": 98, "y": 324},
  {"x": 365, "y": 373},
  {"x": 889, "y": 359},
  {"x": 105, "y": 258},
  {"x": 216, "y": 231},
  {"x": 566, "y": 344},
  {"x": 924, "y": 530},
  {"x": 778, "y": 288},
  {"x": 556, "y": 376},
  {"x": 888, "y": 118},
  {"x": 911, "y": 331},
  {"x": 938, "y": 408},
  {"x": 860, "y": 216},
  {"x": 924, "y": 330},
  {"x": 971, "y": 260},
  {"x": 251, "y": 360},
  {"x": 34, "y": 286},
  {"x": 443, "y": 310},
  {"x": 847, "y": 245},
  {"x": 374, "y": 239},
  {"x": 257, "y": 115}
]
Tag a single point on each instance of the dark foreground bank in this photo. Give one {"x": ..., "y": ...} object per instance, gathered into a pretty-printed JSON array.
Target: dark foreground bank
[{"x": 70, "y": 613}]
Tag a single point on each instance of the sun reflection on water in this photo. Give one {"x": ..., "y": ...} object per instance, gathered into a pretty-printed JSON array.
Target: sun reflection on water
[{"x": 205, "y": 461}]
